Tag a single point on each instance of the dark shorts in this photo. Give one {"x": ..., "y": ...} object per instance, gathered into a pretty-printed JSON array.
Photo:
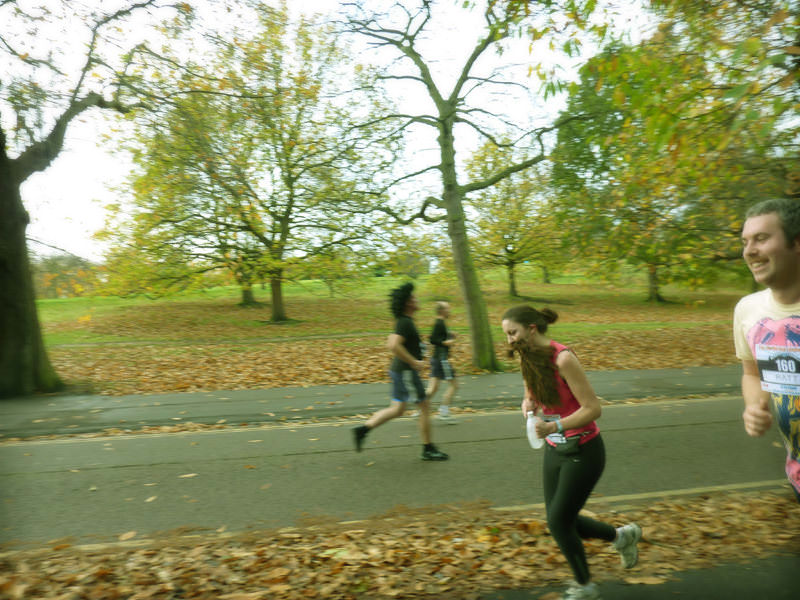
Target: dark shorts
[
  {"x": 402, "y": 381},
  {"x": 441, "y": 369}
]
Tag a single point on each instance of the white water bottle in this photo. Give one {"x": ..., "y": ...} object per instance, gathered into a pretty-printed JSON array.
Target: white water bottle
[{"x": 535, "y": 441}]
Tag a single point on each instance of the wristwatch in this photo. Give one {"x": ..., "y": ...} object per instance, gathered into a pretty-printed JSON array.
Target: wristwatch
[{"x": 559, "y": 426}]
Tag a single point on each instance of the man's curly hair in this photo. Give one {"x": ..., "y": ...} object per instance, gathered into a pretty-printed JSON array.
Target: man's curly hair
[{"x": 398, "y": 298}]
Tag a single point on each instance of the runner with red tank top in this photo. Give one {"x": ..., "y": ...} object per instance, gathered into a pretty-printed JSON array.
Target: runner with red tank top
[
  {"x": 557, "y": 389},
  {"x": 568, "y": 405}
]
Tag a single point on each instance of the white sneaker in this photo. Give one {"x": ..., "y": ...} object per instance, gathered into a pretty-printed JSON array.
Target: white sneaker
[
  {"x": 582, "y": 592},
  {"x": 446, "y": 418},
  {"x": 628, "y": 537}
]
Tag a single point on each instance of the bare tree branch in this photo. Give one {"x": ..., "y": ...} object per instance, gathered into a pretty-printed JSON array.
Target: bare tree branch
[
  {"x": 91, "y": 59},
  {"x": 420, "y": 214},
  {"x": 39, "y": 155}
]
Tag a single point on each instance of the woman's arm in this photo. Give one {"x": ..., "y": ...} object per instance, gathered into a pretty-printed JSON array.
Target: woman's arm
[
  {"x": 527, "y": 401},
  {"x": 570, "y": 368}
]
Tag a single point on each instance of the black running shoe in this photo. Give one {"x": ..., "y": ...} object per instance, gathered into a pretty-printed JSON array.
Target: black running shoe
[
  {"x": 359, "y": 433},
  {"x": 434, "y": 453}
]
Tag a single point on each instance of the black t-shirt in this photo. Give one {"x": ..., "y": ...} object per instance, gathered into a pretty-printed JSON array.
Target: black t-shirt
[
  {"x": 439, "y": 335},
  {"x": 405, "y": 328}
]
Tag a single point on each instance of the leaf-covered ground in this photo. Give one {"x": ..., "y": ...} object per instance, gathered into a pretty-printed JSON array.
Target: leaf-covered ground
[
  {"x": 452, "y": 552},
  {"x": 204, "y": 346}
]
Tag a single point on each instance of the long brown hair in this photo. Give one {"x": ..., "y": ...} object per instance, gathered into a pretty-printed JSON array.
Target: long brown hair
[{"x": 536, "y": 362}]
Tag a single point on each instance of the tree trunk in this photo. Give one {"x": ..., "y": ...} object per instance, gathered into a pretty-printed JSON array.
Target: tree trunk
[
  {"x": 278, "y": 308},
  {"x": 653, "y": 294},
  {"x": 244, "y": 277},
  {"x": 545, "y": 275},
  {"x": 483, "y": 354},
  {"x": 24, "y": 365},
  {"x": 512, "y": 281},
  {"x": 248, "y": 298}
]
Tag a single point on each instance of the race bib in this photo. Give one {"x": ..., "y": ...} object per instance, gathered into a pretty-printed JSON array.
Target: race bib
[{"x": 780, "y": 368}]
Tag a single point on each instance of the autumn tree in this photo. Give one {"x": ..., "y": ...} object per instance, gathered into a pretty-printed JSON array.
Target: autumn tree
[
  {"x": 458, "y": 110},
  {"x": 340, "y": 268},
  {"x": 63, "y": 275},
  {"x": 46, "y": 84},
  {"x": 408, "y": 252},
  {"x": 753, "y": 49},
  {"x": 615, "y": 197},
  {"x": 658, "y": 164},
  {"x": 249, "y": 164},
  {"x": 190, "y": 214},
  {"x": 512, "y": 224}
]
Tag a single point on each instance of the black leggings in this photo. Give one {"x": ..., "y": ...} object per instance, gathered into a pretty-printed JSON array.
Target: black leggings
[{"x": 568, "y": 481}]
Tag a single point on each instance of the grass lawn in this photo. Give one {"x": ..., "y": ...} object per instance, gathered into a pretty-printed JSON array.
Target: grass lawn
[{"x": 205, "y": 340}]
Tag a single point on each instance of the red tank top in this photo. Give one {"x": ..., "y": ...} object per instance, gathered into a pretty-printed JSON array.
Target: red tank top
[{"x": 569, "y": 403}]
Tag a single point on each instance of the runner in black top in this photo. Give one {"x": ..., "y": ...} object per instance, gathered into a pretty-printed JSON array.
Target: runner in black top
[
  {"x": 442, "y": 339},
  {"x": 406, "y": 347}
]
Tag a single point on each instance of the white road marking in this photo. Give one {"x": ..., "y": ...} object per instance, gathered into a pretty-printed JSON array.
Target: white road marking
[{"x": 729, "y": 487}]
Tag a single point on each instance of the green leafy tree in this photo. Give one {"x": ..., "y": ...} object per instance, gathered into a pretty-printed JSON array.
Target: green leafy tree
[
  {"x": 513, "y": 224},
  {"x": 400, "y": 31},
  {"x": 339, "y": 268},
  {"x": 251, "y": 164},
  {"x": 671, "y": 205},
  {"x": 46, "y": 84},
  {"x": 752, "y": 51},
  {"x": 409, "y": 253}
]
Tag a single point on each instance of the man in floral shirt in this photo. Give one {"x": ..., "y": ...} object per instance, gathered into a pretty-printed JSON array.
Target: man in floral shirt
[{"x": 766, "y": 326}]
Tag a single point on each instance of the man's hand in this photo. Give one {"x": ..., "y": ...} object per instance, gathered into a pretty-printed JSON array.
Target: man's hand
[{"x": 757, "y": 418}]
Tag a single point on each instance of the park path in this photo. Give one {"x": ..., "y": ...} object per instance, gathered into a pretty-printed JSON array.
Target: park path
[
  {"x": 69, "y": 415},
  {"x": 280, "y": 474}
]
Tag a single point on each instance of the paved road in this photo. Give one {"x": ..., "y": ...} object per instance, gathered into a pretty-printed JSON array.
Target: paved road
[
  {"x": 276, "y": 475},
  {"x": 82, "y": 414}
]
